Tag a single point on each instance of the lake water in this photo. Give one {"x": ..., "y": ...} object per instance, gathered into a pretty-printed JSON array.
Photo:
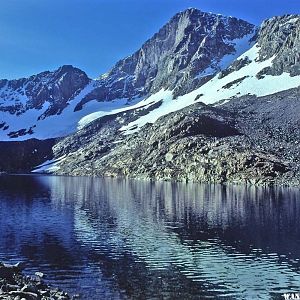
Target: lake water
[{"x": 124, "y": 239}]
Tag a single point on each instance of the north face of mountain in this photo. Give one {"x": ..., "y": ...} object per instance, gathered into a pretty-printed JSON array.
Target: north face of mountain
[{"x": 184, "y": 54}]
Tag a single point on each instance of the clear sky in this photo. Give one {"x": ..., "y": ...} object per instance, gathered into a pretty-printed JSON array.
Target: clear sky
[{"x": 38, "y": 35}]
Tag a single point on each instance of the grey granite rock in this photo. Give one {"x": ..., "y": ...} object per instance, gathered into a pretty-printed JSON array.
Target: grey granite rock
[
  {"x": 15, "y": 285},
  {"x": 279, "y": 38}
]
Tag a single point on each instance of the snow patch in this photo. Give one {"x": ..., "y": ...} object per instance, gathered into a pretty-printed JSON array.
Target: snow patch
[
  {"x": 291, "y": 21},
  {"x": 214, "y": 90},
  {"x": 241, "y": 46},
  {"x": 49, "y": 166}
]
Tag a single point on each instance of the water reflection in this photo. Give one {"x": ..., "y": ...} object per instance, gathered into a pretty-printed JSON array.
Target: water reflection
[{"x": 129, "y": 239}]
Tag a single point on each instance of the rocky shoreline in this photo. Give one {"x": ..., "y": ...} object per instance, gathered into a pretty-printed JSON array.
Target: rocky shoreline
[
  {"x": 249, "y": 140},
  {"x": 14, "y": 285}
]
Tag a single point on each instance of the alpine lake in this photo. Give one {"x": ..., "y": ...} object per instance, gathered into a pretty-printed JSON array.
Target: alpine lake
[{"x": 106, "y": 238}]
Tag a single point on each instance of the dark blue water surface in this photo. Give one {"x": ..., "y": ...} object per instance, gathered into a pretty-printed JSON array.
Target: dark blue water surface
[{"x": 123, "y": 239}]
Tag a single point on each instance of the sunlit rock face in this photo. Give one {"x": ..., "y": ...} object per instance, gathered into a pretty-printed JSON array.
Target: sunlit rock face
[{"x": 191, "y": 43}]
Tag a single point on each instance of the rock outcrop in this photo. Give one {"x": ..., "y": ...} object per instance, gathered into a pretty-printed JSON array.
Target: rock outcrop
[
  {"x": 14, "y": 285},
  {"x": 20, "y": 157},
  {"x": 279, "y": 38}
]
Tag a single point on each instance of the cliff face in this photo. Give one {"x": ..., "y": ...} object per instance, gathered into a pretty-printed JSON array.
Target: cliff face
[
  {"x": 279, "y": 38},
  {"x": 191, "y": 43}
]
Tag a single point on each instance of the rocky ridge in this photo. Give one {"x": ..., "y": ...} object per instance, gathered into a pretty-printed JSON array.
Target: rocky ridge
[{"x": 254, "y": 140}]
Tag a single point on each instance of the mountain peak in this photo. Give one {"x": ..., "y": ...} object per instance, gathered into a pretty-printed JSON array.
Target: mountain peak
[
  {"x": 187, "y": 45},
  {"x": 197, "y": 13},
  {"x": 189, "y": 11},
  {"x": 192, "y": 14},
  {"x": 68, "y": 68}
]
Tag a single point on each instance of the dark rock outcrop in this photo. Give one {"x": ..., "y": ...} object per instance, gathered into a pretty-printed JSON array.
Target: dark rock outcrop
[
  {"x": 14, "y": 285},
  {"x": 21, "y": 157}
]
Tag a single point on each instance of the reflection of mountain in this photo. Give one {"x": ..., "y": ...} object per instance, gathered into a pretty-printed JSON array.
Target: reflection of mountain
[
  {"x": 225, "y": 238},
  {"x": 36, "y": 227},
  {"x": 27, "y": 222}
]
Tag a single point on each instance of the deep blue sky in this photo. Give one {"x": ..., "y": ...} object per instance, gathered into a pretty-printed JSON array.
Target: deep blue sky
[{"x": 38, "y": 35}]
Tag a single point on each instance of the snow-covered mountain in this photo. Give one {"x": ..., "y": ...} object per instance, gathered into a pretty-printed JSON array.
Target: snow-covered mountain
[
  {"x": 195, "y": 57},
  {"x": 182, "y": 56},
  {"x": 207, "y": 98},
  {"x": 270, "y": 65}
]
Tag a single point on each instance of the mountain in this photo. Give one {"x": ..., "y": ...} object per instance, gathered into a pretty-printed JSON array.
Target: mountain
[
  {"x": 52, "y": 88},
  {"x": 190, "y": 43},
  {"x": 25, "y": 103},
  {"x": 207, "y": 98},
  {"x": 50, "y": 104}
]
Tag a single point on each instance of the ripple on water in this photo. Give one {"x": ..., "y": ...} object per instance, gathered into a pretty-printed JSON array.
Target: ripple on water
[{"x": 118, "y": 239}]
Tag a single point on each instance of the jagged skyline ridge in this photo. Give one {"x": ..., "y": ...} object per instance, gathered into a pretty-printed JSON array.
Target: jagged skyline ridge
[
  {"x": 182, "y": 61},
  {"x": 43, "y": 36}
]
